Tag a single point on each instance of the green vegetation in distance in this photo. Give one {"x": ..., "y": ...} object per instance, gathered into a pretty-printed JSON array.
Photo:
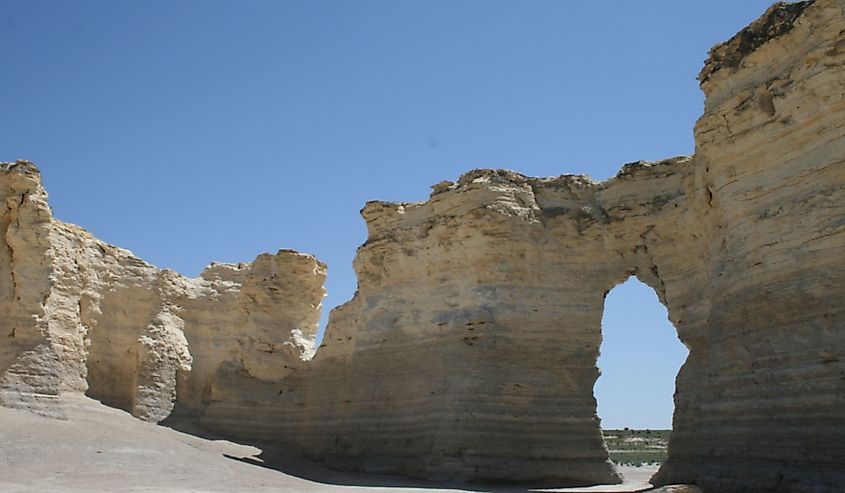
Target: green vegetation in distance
[{"x": 629, "y": 447}]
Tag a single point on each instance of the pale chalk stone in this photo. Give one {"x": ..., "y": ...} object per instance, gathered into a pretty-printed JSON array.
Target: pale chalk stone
[
  {"x": 469, "y": 350},
  {"x": 84, "y": 316}
]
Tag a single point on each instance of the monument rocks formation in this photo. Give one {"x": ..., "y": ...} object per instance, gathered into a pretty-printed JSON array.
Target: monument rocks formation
[
  {"x": 85, "y": 316},
  {"x": 469, "y": 350}
]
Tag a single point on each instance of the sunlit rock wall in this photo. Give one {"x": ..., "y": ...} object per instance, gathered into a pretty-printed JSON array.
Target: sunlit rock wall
[
  {"x": 29, "y": 366},
  {"x": 761, "y": 401},
  {"x": 84, "y": 316},
  {"x": 469, "y": 349}
]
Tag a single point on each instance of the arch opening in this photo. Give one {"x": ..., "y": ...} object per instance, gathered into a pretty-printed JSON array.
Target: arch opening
[{"x": 640, "y": 356}]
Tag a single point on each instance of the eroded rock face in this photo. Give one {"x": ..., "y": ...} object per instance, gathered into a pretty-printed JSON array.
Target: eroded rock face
[
  {"x": 760, "y": 404},
  {"x": 469, "y": 349},
  {"x": 84, "y": 316}
]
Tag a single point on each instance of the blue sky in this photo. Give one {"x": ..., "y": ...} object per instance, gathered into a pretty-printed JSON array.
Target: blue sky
[
  {"x": 640, "y": 357},
  {"x": 194, "y": 131}
]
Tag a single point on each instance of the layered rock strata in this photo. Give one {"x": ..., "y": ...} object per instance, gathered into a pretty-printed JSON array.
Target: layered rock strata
[
  {"x": 469, "y": 350},
  {"x": 84, "y": 316},
  {"x": 760, "y": 404}
]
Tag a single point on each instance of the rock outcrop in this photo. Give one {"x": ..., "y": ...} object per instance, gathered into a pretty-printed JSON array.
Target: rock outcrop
[
  {"x": 84, "y": 316},
  {"x": 469, "y": 350},
  {"x": 760, "y": 403}
]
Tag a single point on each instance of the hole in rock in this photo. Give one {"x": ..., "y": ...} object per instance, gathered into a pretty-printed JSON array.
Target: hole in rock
[{"x": 639, "y": 360}]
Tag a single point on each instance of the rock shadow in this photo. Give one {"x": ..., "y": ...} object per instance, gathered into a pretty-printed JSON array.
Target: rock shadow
[{"x": 273, "y": 458}]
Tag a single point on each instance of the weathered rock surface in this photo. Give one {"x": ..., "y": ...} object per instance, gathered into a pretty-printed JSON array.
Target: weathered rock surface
[
  {"x": 84, "y": 316},
  {"x": 760, "y": 403},
  {"x": 469, "y": 350}
]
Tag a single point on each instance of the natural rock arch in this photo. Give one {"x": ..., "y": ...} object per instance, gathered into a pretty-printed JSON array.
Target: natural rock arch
[
  {"x": 476, "y": 320},
  {"x": 501, "y": 279},
  {"x": 469, "y": 350}
]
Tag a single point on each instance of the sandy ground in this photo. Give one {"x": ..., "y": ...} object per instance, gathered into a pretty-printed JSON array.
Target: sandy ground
[{"x": 100, "y": 449}]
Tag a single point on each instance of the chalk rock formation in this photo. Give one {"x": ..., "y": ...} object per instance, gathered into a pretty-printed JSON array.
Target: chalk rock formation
[
  {"x": 760, "y": 403},
  {"x": 469, "y": 350},
  {"x": 84, "y": 316}
]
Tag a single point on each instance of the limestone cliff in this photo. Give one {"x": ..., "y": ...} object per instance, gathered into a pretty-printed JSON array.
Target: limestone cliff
[
  {"x": 469, "y": 349},
  {"x": 85, "y": 316},
  {"x": 760, "y": 404}
]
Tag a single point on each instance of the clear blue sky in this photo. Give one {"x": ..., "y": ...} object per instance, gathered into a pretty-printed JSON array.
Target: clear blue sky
[{"x": 191, "y": 131}]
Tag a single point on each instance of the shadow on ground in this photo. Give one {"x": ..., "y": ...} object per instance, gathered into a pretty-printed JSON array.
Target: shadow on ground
[
  {"x": 271, "y": 457},
  {"x": 320, "y": 473}
]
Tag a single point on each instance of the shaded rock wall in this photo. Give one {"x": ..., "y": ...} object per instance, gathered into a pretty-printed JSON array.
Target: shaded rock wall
[{"x": 85, "y": 316}]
